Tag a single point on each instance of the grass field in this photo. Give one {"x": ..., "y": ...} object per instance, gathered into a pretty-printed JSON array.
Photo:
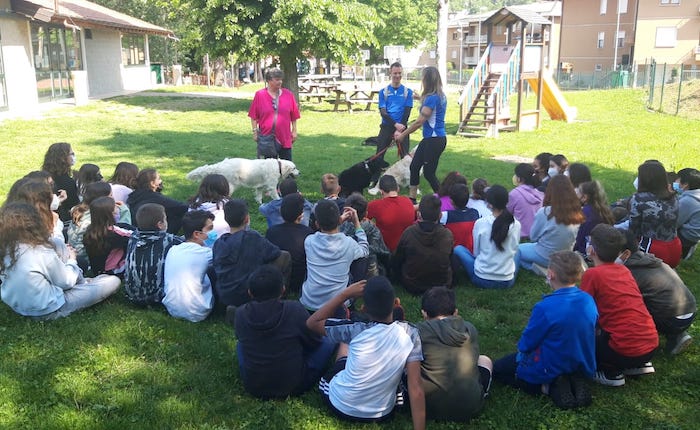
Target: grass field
[{"x": 115, "y": 366}]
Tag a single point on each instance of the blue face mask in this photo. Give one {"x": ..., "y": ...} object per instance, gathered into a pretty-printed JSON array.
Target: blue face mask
[
  {"x": 211, "y": 238},
  {"x": 677, "y": 188}
]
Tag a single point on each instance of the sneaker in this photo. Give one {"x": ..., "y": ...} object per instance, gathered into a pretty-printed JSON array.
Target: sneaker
[
  {"x": 644, "y": 369},
  {"x": 676, "y": 345},
  {"x": 561, "y": 393},
  {"x": 582, "y": 393},
  {"x": 539, "y": 270},
  {"x": 609, "y": 378}
]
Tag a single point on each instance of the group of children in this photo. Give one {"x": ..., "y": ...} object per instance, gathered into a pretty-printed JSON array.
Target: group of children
[{"x": 337, "y": 251}]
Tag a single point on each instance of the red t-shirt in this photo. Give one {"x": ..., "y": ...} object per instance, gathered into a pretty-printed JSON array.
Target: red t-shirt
[
  {"x": 621, "y": 309},
  {"x": 392, "y": 216}
]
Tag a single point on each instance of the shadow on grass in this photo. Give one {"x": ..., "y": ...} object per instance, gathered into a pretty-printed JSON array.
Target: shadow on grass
[{"x": 184, "y": 103}]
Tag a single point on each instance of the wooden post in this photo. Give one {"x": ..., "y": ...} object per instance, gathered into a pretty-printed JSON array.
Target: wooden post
[{"x": 523, "y": 24}]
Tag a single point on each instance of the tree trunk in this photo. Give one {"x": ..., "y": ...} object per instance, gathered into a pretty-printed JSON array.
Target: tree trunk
[
  {"x": 441, "y": 52},
  {"x": 291, "y": 77}
]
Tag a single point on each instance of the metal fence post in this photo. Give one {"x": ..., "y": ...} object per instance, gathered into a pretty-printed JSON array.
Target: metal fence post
[
  {"x": 663, "y": 85},
  {"x": 680, "y": 85}
]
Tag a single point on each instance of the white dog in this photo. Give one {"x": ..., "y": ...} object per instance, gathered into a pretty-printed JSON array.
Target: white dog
[
  {"x": 400, "y": 171},
  {"x": 260, "y": 175}
]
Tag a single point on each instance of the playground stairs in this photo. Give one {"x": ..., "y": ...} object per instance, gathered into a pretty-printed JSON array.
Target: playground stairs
[{"x": 481, "y": 115}]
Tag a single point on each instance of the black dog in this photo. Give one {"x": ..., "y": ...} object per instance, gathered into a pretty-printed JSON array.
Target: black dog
[{"x": 359, "y": 176}]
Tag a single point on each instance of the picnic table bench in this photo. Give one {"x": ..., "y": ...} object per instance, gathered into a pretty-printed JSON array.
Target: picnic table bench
[
  {"x": 352, "y": 96},
  {"x": 316, "y": 86}
]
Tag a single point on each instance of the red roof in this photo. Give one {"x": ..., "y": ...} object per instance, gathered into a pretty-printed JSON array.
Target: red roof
[{"x": 85, "y": 14}]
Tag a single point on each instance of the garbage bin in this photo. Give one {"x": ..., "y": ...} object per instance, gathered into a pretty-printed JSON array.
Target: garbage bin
[
  {"x": 620, "y": 79},
  {"x": 157, "y": 70}
]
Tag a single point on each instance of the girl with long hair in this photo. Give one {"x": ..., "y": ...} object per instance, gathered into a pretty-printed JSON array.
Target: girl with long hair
[
  {"x": 525, "y": 199},
  {"x": 87, "y": 174},
  {"x": 555, "y": 225},
  {"x": 432, "y": 119},
  {"x": 595, "y": 209},
  {"x": 123, "y": 180},
  {"x": 654, "y": 214},
  {"x": 35, "y": 281},
  {"x": 443, "y": 192},
  {"x": 494, "y": 263},
  {"x": 38, "y": 193},
  {"x": 58, "y": 161},
  {"x": 105, "y": 241},
  {"x": 212, "y": 195}
]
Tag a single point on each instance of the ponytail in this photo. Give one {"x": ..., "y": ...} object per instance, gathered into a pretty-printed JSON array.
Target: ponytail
[{"x": 499, "y": 230}]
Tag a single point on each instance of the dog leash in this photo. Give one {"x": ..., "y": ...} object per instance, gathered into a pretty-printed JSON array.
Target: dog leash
[{"x": 380, "y": 153}]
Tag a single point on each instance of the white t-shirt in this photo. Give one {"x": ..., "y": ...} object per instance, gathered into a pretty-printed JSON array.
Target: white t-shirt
[
  {"x": 479, "y": 205},
  {"x": 377, "y": 355},
  {"x": 188, "y": 292},
  {"x": 491, "y": 263}
]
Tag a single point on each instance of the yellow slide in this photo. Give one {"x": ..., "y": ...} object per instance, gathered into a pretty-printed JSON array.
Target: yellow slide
[{"x": 553, "y": 99}]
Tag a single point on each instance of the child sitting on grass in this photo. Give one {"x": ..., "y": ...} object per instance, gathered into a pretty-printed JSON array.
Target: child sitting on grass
[
  {"x": 456, "y": 379},
  {"x": 278, "y": 355},
  {"x": 188, "y": 288},
  {"x": 626, "y": 337},
  {"x": 372, "y": 357},
  {"x": 378, "y": 252},
  {"x": 145, "y": 255},
  {"x": 557, "y": 348}
]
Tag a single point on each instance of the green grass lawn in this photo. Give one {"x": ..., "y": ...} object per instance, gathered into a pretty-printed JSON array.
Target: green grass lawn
[{"x": 118, "y": 366}]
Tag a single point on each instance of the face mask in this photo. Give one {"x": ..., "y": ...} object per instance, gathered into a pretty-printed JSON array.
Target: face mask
[
  {"x": 55, "y": 203},
  {"x": 677, "y": 188},
  {"x": 566, "y": 173},
  {"x": 578, "y": 193},
  {"x": 73, "y": 158},
  {"x": 618, "y": 260},
  {"x": 635, "y": 183},
  {"x": 552, "y": 172},
  {"x": 211, "y": 238},
  {"x": 515, "y": 180},
  {"x": 159, "y": 188}
]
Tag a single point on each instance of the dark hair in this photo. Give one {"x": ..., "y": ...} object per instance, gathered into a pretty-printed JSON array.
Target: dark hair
[
  {"x": 378, "y": 298},
  {"x": 265, "y": 283},
  {"x": 37, "y": 193},
  {"x": 439, "y": 301},
  {"x": 214, "y": 188},
  {"x": 235, "y": 211},
  {"x": 631, "y": 240},
  {"x": 329, "y": 184},
  {"x": 691, "y": 177},
  {"x": 451, "y": 179},
  {"x": 459, "y": 194},
  {"x": 387, "y": 183},
  {"x": 41, "y": 175},
  {"x": 327, "y": 215},
  {"x": 598, "y": 201},
  {"x": 357, "y": 202},
  {"x": 149, "y": 215},
  {"x": 395, "y": 64},
  {"x": 195, "y": 221},
  {"x": 608, "y": 242},
  {"x": 288, "y": 186},
  {"x": 292, "y": 206},
  {"x": 125, "y": 174},
  {"x": 561, "y": 161},
  {"x": 144, "y": 179},
  {"x": 95, "y": 190},
  {"x": 429, "y": 208},
  {"x": 652, "y": 178},
  {"x": 565, "y": 206},
  {"x": 497, "y": 197},
  {"x": 56, "y": 159},
  {"x": 527, "y": 174},
  {"x": 87, "y": 174},
  {"x": 579, "y": 173},
  {"x": 101, "y": 219},
  {"x": 479, "y": 187},
  {"x": 567, "y": 265},
  {"x": 20, "y": 222},
  {"x": 543, "y": 160}
]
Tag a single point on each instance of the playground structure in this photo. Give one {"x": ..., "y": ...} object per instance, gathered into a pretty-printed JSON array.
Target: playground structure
[{"x": 503, "y": 71}]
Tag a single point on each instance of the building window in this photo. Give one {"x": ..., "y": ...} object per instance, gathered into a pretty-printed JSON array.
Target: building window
[
  {"x": 133, "y": 51},
  {"x": 603, "y": 7},
  {"x": 598, "y": 67},
  {"x": 666, "y": 37},
  {"x": 620, "y": 38},
  {"x": 670, "y": 1},
  {"x": 601, "y": 39},
  {"x": 622, "y": 6},
  {"x": 455, "y": 35}
]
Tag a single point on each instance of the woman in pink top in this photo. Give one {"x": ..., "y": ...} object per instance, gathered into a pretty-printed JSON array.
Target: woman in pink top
[{"x": 262, "y": 112}]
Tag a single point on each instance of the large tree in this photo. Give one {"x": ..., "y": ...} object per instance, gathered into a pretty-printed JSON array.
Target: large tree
[{"x": 286, "y": 30}]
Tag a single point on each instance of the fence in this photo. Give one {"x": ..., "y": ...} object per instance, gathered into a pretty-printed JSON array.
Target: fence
[{"x": 671, "y": 88}]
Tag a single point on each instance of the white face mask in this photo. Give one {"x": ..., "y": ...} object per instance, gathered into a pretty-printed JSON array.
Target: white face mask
[
  {"x": 552, "y": 172},
  {"x": 618, "y": 260},
  {"x": 73, "y": 158},
  {"x": 55, "y": 203},
  {"x": 636, "y": 183}
]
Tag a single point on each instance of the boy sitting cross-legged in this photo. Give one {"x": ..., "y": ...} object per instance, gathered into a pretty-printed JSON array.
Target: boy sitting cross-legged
[
  {"x": 145, "y": 255},
  {"x": 372, "y": 356},
  {"x": 278, "y": 355},
  {"x": 626, "y": 338},
  {"x": 557, "y": 348},
  {"x": 456, "y": 379}
]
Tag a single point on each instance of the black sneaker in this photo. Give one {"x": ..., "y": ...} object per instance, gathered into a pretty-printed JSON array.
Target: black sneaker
[
  {"x": 677, "y": 344},
  {"x": 579, "y": 386},
  {"x": 561, "y": 393}
]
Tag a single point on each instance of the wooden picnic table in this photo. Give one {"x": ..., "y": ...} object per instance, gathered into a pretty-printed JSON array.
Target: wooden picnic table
[
  {"x": 317, "y": 86},
  {"x": 352, "y": 96}
]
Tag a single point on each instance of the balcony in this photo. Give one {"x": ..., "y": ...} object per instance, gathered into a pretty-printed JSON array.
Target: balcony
[{"x": 475, "y": 40}]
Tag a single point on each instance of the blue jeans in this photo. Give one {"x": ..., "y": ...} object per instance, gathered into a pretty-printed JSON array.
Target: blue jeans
[
  {"x": 528, "y": 256},
  {"x": 468, "y": 260}
]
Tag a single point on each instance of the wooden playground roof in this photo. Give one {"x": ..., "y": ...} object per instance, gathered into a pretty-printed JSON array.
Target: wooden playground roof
[{"x": 508, "y": 15}]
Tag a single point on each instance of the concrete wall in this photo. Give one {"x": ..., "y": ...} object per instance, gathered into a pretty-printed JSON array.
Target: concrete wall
[
  {"x": 20, "y": 78},
  {"x": 104, "y": 62}
]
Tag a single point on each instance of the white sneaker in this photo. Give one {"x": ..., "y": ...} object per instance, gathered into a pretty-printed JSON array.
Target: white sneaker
[
  {"x": 609, "y": 379},
  {"x": 644, "y": 369},
  {"x": 676, "y": 345}
]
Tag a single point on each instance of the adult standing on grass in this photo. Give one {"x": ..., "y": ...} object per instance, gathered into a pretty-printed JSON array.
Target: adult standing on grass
[
  {"x": 432, "y": 119},
  {"x": 274, "y": 111},
  {"x": 395, "y": 104}
]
